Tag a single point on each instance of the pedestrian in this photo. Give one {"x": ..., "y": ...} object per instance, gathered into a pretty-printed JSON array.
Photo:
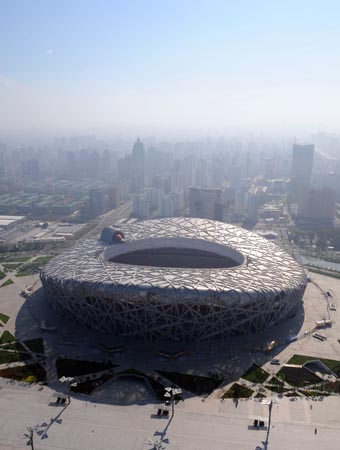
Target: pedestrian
[{"x": 315, "y": 431}]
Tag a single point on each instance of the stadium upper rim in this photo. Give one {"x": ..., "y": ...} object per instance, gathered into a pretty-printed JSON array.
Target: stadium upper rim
[{"x": 262, "y": 265}]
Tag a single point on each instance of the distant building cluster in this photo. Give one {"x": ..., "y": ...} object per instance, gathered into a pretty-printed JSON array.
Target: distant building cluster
[{"x": 227, "y": 180}]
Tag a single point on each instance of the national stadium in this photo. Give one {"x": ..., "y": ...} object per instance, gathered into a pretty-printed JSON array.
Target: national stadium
[{"x": 179, "y": 279}]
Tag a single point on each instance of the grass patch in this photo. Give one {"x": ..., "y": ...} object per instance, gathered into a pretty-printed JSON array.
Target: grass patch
[
  {"x": 17, "y": 258},
  {"x": 238, "y": 391},
  {"x": 255, "y": 374},
  {"x": 30, "y": 374},
  {"x": 7, "y": 337},
  {"x": 2, "y": 275},
  {"x": 297, "y": 377},
  {"x": 299, "y": 360},
  {"x": 274, "y": 381},
  {"x": 11, "y": 266},
  {"x": 7, "y": 283},
  {"x": 4, "y": 318},
  {"x": 41, "y": 260},
  {"x": 13, "y": 346},
  {"x": 76, "y": 368},
  {"x": 332, "y": 364},
  {"x": 9, "y": 357},
  {"x": 192, "y": 383},
  {"x": 22, "y": 274}
]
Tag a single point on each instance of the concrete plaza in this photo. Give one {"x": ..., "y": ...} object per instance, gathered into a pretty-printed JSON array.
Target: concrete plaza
[{"x": 121, "y": 415}]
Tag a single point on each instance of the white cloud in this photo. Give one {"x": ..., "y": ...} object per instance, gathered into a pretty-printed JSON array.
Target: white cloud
[{"x": 50, "y": 51}]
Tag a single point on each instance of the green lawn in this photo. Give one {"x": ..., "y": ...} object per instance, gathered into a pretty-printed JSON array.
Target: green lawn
[
  {"x": 4, "y": 318},
  {"x": 255, "y": 374},
  {"x": 2, "y": 275},
  {"x": 9, "y": 357},
  {"x": 297, "y": 377},
  {"x": 332, "y": 364},
  {"x": 7, "y": 283},
  {"x": 6, "y": 337},
  {"x": 22, "y": 274},
  {"x": 11, "y": 266},
  {"x": 13, "y": 346},
  {"x": 16, "y": 259},
  {"x": 238, "y": 391},
  {"x": 40, "y": 260},
  {"x": 276, "y": 385}
]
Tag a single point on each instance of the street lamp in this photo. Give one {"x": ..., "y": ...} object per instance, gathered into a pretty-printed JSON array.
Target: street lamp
[
  {"x": 68, "y": 380},
  {"x": 270, "y": 407},
  {"x": 170, "y": 393}
]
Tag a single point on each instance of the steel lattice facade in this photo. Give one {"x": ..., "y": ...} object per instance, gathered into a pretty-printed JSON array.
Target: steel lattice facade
[{"x": 171, "y": 303}]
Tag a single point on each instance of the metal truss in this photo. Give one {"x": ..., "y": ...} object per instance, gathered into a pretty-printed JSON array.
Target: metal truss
[{"x": 152, "y": 303}]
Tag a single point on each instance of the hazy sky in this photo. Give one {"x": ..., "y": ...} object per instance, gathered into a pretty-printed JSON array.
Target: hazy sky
[{"x": 80, "y": 65}]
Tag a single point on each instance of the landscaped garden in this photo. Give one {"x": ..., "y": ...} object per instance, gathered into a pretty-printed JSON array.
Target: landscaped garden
[
  {"x": 7, "y": 283},
  {"x": 255, "y": 374},
  {"x": 238, "y": 391},
  {"x": 4, "y": 318},
  {"x": 6, "y": 337},
  {"x": 11, "y": 259},
  {"x": 297, "y": 377},
  {"x": 41, "y": 260},
  {"x": 332, "y": 364},
  {"x": 30, "y": 374},
  {"x": 7, "y": 357},
  {"x": 11, "y": 266}
]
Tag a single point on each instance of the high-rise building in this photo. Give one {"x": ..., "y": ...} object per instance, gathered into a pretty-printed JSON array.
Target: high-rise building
[
  {"x": 138, "y": 166},
  {"x": 239, "y": 203},
  {"x": 317, "y": 206},
  {"x": 206, "y": 203},
  {"x": 302, "y": 166},
  {"x": 251, "y": 207},
  {"x": 97, "y": 201}
]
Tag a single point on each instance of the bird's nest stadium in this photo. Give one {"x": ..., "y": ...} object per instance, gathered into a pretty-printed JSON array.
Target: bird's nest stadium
[{"x": 179, "y": 279}]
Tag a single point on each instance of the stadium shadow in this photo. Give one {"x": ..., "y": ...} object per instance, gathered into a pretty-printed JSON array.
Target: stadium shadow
[{"x": 227, "y": 360}]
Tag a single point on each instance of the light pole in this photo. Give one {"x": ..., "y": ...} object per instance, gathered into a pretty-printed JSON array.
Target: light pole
[
  {"x": 171, "y": 392},
  {"x": 68, "y": 381},
  {"x": 270, "y": 407}
]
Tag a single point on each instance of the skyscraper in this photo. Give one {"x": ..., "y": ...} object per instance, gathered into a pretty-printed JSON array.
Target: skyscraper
[
  {"x": 138, "y": 166},
  {"x": 302, "y": 166}
]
